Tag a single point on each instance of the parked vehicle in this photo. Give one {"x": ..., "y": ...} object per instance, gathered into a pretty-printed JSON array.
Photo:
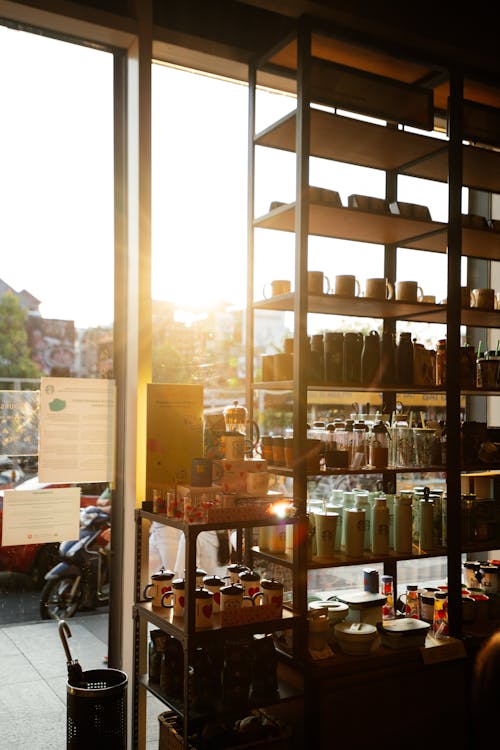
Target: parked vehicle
[
  {"x": 80, "y": 580},
  {"x": 30, "y": 562},
  {"x": 11, "y": 470}
]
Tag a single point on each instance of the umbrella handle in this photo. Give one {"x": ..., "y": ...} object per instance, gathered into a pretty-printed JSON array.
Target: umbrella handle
[{"x": 63, "y": 626}]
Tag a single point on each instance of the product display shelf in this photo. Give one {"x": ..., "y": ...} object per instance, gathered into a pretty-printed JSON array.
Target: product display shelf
[
  {"x": 184, "y": 630},
  {"x": 419, "y": 312},
  {"x": 287, "y": 691},
  {"x": 317, "y": 68}
]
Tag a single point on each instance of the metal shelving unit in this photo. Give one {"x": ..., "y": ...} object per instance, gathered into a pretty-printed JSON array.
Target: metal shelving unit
[{"x": 328, "y": 74}]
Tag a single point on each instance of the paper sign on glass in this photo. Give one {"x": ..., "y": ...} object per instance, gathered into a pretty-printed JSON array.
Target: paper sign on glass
[
  {"x": 40, "y": 516},
  {"x": 77, "y": 430}
]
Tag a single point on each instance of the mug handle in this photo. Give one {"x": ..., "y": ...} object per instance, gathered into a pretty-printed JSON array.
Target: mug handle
[
  {"x": 265, "y": 288},
  {"x": 420, "y": 293},
  {"x": 164, "y": 597},
  {"x": 389, "y": 290},
  {"x": 327, "y": 280},
  {"x": 145, "y": 592},
  {"x": 249, "y": 599},
  {"x": 257, "y": 595},
  {"x": 357, "y": 288}
]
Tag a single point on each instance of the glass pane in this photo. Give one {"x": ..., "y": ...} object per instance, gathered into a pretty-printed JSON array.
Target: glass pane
[{"x": 57, "y": 275}]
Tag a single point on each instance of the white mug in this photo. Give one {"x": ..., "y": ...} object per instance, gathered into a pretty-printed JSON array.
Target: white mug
[
  {"x": 233, "y": 445},
  {"x": 409, "y": 291},
  {"x": 278, "y": 286},
  {"x": 257, "y": 482},
  {"x": 232, "y": 596},
  {"x": 161, "y": 582},
  {"x": 179, "y": 598},
  {"x": 347, "y": 286},
  {"x": 271, "y": 593},
  {"x": 204, "y": 608},
  {"x": 484, "y": 299},
  {"x": 378, "y": 289},
  {"x": 317, "y": 282},
  {"x": 214, "y": 584}
]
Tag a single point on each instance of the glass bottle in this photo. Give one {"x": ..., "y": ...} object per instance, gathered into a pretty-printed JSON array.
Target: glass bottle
[
  {"x": 440, "y": 617},
  {"x": 359, "y": 457},
  {"x": 411, "y": 605},
  {"x": 441, "y": 362},
  {"x": 387, "y": 589},
  {"x": 379, "y": 445}
]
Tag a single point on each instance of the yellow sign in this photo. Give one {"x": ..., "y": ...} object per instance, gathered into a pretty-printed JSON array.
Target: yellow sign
[{"x": 174, "y": 434}]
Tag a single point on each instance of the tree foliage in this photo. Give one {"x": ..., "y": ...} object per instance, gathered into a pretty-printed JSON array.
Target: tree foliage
[{"x": 15, "y": 360}]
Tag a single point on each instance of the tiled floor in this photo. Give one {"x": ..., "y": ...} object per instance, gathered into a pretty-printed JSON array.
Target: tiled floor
[{"x": 33, "y": 674}]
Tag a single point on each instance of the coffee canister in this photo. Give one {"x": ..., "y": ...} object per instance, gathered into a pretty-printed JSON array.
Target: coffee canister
[
  {"x": 489, "y": 577},
  {"x": 472, "y": 575}
]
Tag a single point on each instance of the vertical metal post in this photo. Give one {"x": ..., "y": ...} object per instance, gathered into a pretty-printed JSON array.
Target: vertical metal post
[
  {"x": 453, "y": 353},
  {"x": 302, "y": 147}
]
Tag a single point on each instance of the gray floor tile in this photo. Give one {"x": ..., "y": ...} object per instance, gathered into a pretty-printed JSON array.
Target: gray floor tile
[
  {"x": 7, "y": 646},
  {"x": 29, "y": 699},
  {"x": 17, "y": 668},
  {"x": 43, "y": 733}
]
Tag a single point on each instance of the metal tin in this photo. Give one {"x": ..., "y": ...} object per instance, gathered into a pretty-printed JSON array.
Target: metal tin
[{"x": 371, "y": 580}]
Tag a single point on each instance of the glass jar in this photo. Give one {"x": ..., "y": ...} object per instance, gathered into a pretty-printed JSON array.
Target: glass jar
[
  {"x": 440, "y": 617},
  {"x": 441, "y": 362}
]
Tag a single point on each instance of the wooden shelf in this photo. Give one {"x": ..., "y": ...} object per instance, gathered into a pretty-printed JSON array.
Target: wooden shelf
[
  {"x": 326, "y": 220},
  {"x": 366, "y": 144},
  {"x": 360, "y": 307},
  {"x": 177, "y": 626},
  {"x": 352, "y": 141}
]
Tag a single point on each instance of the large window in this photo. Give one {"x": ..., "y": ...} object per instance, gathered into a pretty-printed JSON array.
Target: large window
[{"x": 57, "y": 269}]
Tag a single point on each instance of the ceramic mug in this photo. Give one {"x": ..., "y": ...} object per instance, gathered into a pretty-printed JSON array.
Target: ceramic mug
[
  {"x": 179, "y": 598},
  {"x": 317, "y": 282},
  {"x": 233, "y": 596},
  {"x": 233, "y": 445},
  {"x": 250, "y": 580},
  {"x": 271, "y": 593},
  {"x": 161, "y": 582},
  {"x": 277, "y": 286},
  {"x": 234, "y": 570},
  {"x": 257, "y": 482},
  {"x": 378, "y": 289},
  {"x": 203, "y": 608},
  {"x": 214, "y": 584},
  {"x": 347, "y": 286},
  {"x": 409, "y": 291},
  {"x": 484, "y": 299}
]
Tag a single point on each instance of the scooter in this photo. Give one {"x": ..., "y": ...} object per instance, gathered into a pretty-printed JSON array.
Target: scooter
[{"x": 80, "y": 580}]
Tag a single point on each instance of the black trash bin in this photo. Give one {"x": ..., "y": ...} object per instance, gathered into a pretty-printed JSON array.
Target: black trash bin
[{"x": 97, "y": 711}]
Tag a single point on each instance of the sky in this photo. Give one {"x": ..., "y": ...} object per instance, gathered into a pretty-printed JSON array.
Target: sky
[{"x": 56, "y": 187}]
